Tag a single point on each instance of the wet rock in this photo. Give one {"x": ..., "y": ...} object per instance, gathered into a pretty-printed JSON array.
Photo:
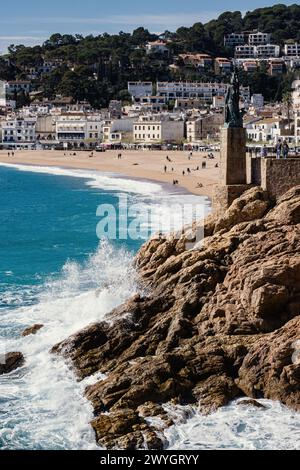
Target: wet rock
[
  {"x": 252, "y": 403},
  {"x": 218, "y": 321},
  {"x": 10, "y": 362},
  {"x": 32, "y": 330}
]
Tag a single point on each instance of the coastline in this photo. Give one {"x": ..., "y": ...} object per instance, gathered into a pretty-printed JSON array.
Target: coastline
[{"x": 143, "y": 165}]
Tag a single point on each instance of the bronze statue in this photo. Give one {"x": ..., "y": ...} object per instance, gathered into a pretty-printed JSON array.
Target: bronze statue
[{"x": 233, "y": 115}]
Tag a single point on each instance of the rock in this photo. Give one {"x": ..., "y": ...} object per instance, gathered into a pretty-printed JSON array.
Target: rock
[
  {"x": 11, "y": 361},
  {"x": 253, "y": 403},
  {"x": 220, "y": 320},
  {"x": 126, "y": 430},
  {"x": 252, "y": 205},
  {"x": 32, "y": 330}
]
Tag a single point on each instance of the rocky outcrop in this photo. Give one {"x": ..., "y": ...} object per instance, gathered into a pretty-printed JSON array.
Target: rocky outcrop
[
  {"x": 32, "y": 330},
  {"x": 221, "y": 319},
  {"x": 10, "y": 362}
]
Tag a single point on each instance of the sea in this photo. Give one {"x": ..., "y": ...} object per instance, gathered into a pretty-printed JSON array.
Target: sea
[{"x": 59, "y": 268}]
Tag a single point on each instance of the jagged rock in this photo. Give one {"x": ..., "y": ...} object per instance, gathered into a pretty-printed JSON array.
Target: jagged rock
[
  {"x": 32, "y": 330},
  {"x": 11, "y": 361},
  {"x": 268, "y": 370},
  {"x": 253, "y": 403},
  {"x": 220, "y": 320},
  {"x": 253, "y": 204}
]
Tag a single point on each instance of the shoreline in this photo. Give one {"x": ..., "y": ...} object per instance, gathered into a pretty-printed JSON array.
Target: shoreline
[{"x": 144, "y": 165}]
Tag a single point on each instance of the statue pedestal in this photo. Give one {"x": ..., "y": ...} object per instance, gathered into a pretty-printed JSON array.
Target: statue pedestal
[
  {"x": 223, "y": 196},
  {"x": 233, "y": 156},
  {"x": 233, "y": 169}
]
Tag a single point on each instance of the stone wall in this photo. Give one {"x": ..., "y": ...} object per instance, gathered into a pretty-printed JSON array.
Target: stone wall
[{"x": 275, "y": 176}]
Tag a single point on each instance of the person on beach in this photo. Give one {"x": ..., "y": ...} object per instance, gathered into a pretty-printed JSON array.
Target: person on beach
[
  {"x": 183, "y": 173},
  {"x": 165, "y": 168},
  {"x": 264, "y": 151},
  {"x": 278, "y": 150},
  {"x": 203, "y": 165},
  {"x": 285, "y": 150}
]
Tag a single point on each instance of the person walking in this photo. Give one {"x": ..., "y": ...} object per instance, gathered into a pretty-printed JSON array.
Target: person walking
[
  {"x": 285, "y": 150},
  {"x": 264, "y": 151},
  {"x": 278, "y": 150}
]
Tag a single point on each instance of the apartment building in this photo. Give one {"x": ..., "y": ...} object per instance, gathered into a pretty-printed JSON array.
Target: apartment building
[
  {"x": 296, "y": 108},
  {"x": 276, "y": 67},
  {"x": 139, "y": 89},
  {"x": 156, "y": 129},
  {"x": 264, "y": 51},
  {"x": 18, "y": 86},
  {"x": 257, "y": 38},
  {"x": 245, "y": 52},
  {"x": 182, "y": 104},
  {"x": 157, "y": 47},
  {"x": 205, "y": 127},
  {"x": 114, "y": 131},
  {"x": 264, "y": 130},
  {"x": 78, "y": 129},
  {"x": 234, "y": 39},
  {"x": 291, "y": 50},
  {"x": 257, "y": 101},
  {"x": 197, "y": 60},
  {"x": 223, "y": 66},
  {"x": 19, "y": 132},
  {"x": 204, "y": 91},
  {"x": 250, "y": 66},
  {"x": 155, "y": 104}
]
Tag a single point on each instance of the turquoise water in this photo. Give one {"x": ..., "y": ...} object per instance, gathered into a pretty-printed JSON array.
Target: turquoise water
[
  {"x": 54, "y": 270},
  {"x": 46, "y": 220}
]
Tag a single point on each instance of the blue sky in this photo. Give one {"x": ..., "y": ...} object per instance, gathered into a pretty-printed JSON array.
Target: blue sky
[{"x": 31, "y": 22}]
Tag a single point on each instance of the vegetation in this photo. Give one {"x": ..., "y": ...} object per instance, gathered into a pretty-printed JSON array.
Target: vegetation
[{"x": 97, "y": 68}]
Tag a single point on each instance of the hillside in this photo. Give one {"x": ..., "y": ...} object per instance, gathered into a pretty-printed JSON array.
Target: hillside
[{"x": 98, "y": 68}]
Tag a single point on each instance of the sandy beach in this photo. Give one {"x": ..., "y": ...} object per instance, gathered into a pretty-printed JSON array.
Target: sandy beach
[{"x": 137, "y": 164}]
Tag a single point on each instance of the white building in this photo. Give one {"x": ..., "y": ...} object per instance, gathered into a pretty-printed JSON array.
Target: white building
[
  {"x": 19, "y": 132},
  {"x": 204, "y": 91},
  {"x": 291, "y": 50},
  {"x": 257, "y": 101},
  {"x": 265, "y": 51},
  {"x": 2, "y": 94},
  {"x": 155, "y": 47},
  {"x": 296, "y": 108},
  {"x": 17, "y": 86},
  {"x": 155, "y": 104},
  {"x": 204, "y": 127},
  {"x": 115, "y": 131},
  {"x": 234, "y": 39},
  {"x": 258, "y": 38},
  {"x": 264, "y": 130},
  {"x": 156, "y": 129},
  {"x": 79, "y": 130},
  {"x": 245, "y": 52},
  {"x": 139, "y": 89}
]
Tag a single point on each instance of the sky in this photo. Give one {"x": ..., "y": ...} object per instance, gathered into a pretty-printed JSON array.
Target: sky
[{"x": 31, "y": 22}]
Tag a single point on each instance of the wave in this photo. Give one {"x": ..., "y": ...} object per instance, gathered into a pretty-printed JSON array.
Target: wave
[
  {"x": 107, "y": 181},
  {"x": 234, "y": 427},
  {"x": 42, "y": 404}
]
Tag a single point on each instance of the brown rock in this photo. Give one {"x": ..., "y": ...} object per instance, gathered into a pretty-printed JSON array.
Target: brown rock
[
  {"x": 11, "y": 361},
  {"x": 253, "y": 403},
  {"x": 219, "y": 321},
  {"x": 32, "y": 330}
]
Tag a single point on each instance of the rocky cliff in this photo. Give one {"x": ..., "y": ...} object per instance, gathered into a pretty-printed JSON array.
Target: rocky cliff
[{"x": 219, "y": 321}]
